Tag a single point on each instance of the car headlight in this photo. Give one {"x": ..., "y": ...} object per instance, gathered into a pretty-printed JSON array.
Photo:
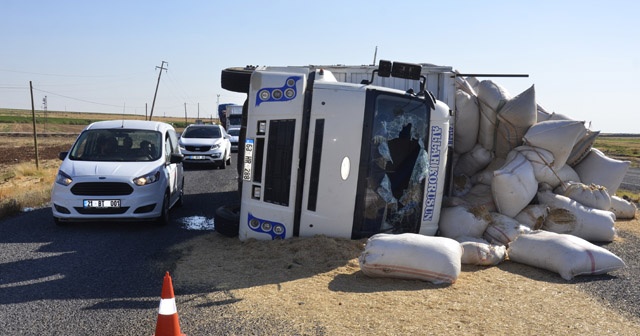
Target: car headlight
[
  {"x": 63, "y": 179},
  {"x": 147, "y": 179},
  {"x": 216, "y": 146}
]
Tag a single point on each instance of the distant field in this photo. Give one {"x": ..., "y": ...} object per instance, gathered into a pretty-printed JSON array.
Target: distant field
[
  {"x": 15, "y": 120},
  {"x": 621, "y": 146}
]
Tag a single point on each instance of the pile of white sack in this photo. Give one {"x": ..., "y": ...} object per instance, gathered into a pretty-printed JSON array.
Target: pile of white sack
[{"x": 528, "y": 187}]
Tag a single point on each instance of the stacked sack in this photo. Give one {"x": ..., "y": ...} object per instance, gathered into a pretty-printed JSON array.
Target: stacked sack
[
  {"x": 528, "y": 186},
  {"x": 531, "y": 187}
]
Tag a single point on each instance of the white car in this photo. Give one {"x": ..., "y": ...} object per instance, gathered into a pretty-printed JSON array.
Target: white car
[
  {"x": 120, "y": 170},
  {"x": 234, "y": 132},
  {"x": 206, "y": 144}
]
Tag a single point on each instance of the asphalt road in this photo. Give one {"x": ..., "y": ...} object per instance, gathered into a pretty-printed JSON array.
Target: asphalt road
[
  {"x": 100, "y": 278},
  {"x": 632, "y": 180}
]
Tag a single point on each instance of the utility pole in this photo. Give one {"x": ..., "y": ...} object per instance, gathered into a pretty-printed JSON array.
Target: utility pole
[
  {"x": 185, "y": 113},
  {"x": 161, "y": 67},
  {"x": 33, "y": 117},
  {"x": 44, "y": 109}
]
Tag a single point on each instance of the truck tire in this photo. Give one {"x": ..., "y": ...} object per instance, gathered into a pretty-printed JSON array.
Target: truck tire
[
  {"x": 227, "y": 220},
  {"x": 236, "y": 79}
]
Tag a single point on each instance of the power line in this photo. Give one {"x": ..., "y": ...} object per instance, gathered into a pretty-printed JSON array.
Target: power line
[{"x": 81, "y": 100}]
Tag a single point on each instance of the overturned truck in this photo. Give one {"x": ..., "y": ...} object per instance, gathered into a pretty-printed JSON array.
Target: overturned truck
[{"x": 342, "y": 151}]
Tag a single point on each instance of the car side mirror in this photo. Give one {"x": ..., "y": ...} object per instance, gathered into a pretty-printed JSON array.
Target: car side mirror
[
  {"x": 62, "y": 155},
  {"x": 176, "y": 158}
]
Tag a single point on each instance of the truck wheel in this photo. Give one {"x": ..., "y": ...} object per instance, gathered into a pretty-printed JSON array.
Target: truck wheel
[
  {"x": 227, "y": 220},
  {"x": 236, "y": 79}
]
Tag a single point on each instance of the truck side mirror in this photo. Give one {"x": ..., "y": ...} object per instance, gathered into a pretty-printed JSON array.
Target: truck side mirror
[
  {"x": 406, "y": 70},
  {"x": 384, "y": 68}
]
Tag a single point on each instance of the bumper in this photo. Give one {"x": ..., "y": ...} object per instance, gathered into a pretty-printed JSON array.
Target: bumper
[
  {"x": 209, "y": 157},
  {"x": 144, "y": 203}
]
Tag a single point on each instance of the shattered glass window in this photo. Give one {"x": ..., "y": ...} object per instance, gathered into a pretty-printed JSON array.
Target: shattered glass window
[{"x": 397, "y": 165}]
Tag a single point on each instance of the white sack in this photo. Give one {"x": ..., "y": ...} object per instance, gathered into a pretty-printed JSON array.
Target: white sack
[
  {"x": 622, "y": 208},
  {"x": 485, "y": 176},
  {"x": 533, "y": 216},
  {"x": 473, "y": 83},
  {"x": 570, "y": 217},
  {"x": 542, "y": 113},
  {"x": 467, "y": 122},
  {"x": 542, "y": 162},
  {"x": 480, "y": 252},
  {"x": 491, "y": 97},
  {"x": 514, "y": 119},
  {"x": 461, "y": 185},
  {"x": 556, "y": 136},
  {"x": 412, "y": 256},
  {"x": 464, "y": 85},
  {"x": 591, "y": 196},
  {"x": 566, "y": 255},
  {"x": 503, "y": 230},
  {"x": 599, "y": 169},
  {"x": 480, "y": 195},
  {"x": 514, "y": 185},
  {"x": 566, "y": 174},
  {"x": 461, "y": 221},
  {"x": 582, "y": 147},
  {"x": 473, "y": 161}
]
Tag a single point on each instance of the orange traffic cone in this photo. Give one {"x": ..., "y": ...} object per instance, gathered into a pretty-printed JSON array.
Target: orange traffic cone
[{"x": 168, "y": 324}]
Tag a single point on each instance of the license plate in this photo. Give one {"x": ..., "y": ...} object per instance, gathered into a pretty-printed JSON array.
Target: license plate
[
  {"x": 101, "y": 203},
  {"x": 196, "y": 157},
  {"x": 248, "y": 160}
]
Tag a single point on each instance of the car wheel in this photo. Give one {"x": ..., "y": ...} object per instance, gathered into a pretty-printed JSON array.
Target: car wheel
[
  {"x": 236, "y": 79},
  {"x": 59, "y": 222},
  {"x": 223, "y": 163},
  {"x": 227, "y": 220},
  {"x": 180, "y": 201},
  {"x": 229, "y": 159},
  {"x": 164, "y": 215}
]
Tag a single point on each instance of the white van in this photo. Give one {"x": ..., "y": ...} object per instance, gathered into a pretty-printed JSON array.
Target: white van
[{"x": 120, "y": 170}]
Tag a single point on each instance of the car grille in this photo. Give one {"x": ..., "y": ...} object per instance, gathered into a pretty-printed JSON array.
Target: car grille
[
  {"x": 105, "y": 211},
  {"x": 101, "y": 189},
  {"x": 198, "y": 148}
]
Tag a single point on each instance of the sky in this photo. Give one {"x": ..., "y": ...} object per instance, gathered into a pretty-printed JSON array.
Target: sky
[{"x": 582, "y": 56}]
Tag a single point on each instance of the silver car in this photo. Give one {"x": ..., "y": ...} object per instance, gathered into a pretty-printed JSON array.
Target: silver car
[{"x": 206, "y": 144}]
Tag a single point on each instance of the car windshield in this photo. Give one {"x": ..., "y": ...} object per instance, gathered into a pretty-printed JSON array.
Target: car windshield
[
  {"x": 196, "y": 132},
  {"x": 234, "y": 132},
  {"x": 117, "y": 145}
]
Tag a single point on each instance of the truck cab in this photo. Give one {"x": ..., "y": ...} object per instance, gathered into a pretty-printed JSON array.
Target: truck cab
[{"x": 322, "y": 156}]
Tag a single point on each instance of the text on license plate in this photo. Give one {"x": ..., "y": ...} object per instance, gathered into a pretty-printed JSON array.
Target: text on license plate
[
  {"x": 101, "y": 203},
  {"x": 196, "y": 157}
]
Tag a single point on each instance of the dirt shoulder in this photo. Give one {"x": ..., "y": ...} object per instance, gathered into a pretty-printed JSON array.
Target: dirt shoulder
[{"x": 314, "y": 286}]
